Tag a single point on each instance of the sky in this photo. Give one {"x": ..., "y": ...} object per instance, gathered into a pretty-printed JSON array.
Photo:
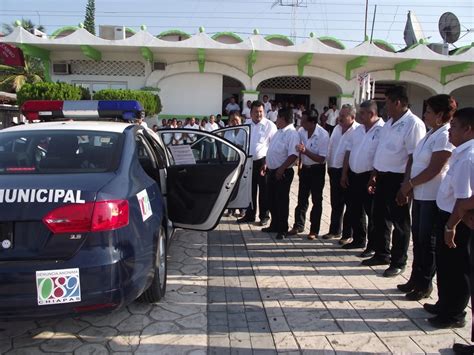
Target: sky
[{"x": 343, "y": 19}]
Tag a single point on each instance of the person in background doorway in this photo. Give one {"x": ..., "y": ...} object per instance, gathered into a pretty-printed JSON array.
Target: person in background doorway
[
  {"x": 246, "y": 110},
  {"x": 331, "y": 118},
  {"x": 324, "y": 118},
  {"x": 219, "y": 121},
  {"x": 267, "y": 105},
  {"x": 272, "y": 115},
  {"x": 231, "y": 106}
]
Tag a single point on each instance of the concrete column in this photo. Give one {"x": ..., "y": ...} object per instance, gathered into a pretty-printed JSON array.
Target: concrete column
[{"x": 251, "y": 95}]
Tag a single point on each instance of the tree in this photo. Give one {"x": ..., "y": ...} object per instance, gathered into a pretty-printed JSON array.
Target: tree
[
  {"x": 89, "y": 21},
  {"x": 25, "y": 23},
  {"x": 14, "y": 78}
]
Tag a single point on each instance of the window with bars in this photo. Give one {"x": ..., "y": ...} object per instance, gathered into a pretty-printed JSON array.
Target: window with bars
[
  {"x": 286, "y": 82},
  {"x": 107, "y": 67}
]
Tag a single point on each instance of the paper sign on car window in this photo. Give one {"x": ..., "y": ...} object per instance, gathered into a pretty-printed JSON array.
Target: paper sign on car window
[{"x": 182, "y": 154}]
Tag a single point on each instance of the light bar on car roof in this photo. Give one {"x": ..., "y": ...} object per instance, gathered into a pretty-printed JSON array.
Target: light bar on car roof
[{"x": 47, "y": 110}]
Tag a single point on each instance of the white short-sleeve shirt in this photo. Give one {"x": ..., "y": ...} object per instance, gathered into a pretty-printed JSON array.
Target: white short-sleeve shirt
[
  {"x": 397, "y": 141},
  {"x": 338, "y": 144},
  {"x": 232, "y": 107},
  {"x": 272, "y": 115},
  {"x": 362, "y": 145},
  {"x": 437, "y": 141},
  {"x": 261, "y": 134},
  {"x": 267, "y": 106},
  {"x": 211, "y": 126},
  {"x": 458, "y": 183},
  {"x": 192, "y": 126},
  {"x": 318, "y": 143},
  {"x": 331, "y": 117},
  {"x": 282, "y": 145},
  {"x": 246, "y": 112}
]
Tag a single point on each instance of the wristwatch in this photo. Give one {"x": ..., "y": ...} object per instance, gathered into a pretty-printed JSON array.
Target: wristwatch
[{"x": 449, "y": 230}]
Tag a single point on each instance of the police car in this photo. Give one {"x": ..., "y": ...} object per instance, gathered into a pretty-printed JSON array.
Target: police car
[{"x": 88, "y": 204}]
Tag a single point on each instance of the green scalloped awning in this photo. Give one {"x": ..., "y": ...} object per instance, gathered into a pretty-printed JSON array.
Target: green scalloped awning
[
  {"x": 131, "y": 30},
  {"x": 63, "y": 29},
  {"x": 228, "y": 34},
  {"x": 174, "y": 33},
  {"x": 334, "y": 40},
  {"x": 384, "y": 45},
  {"x": 463, "y": 49},
  {"x": 280, "y": 37}
]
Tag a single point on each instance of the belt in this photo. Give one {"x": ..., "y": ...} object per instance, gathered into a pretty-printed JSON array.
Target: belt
[
  {"x": 387, "y": 173},
  {"x": 312, "y": 166}
]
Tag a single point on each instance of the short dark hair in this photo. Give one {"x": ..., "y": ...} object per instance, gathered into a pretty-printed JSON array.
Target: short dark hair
[
  {"x": 286, "y": 114},
  {"x": 444, "y": 104},
  {"x": 397, "y": 93},
  {"x": 256, "y": 103},
  {"x": 465, "y": 116},
  {"x": 370, "y": 105},
  {"x": 310, "y": 117}
]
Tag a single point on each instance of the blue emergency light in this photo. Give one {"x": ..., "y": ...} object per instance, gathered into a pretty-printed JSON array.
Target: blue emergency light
[{"x": 48, "y": 110}]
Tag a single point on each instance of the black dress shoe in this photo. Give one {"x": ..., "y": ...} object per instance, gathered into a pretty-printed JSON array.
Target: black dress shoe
[
  {"x": 367, "y": 253},
  {"x": 393, "y": 271},
  {"x": 246, "y": 219},
  {"x": 269, "y": 230},
  {"x": 374, "y": 261},
  {"x": 463, "y": 348},
  {"x": 353, "y": 245},
  {"x": 263, "y": 222},
  {"x": 417, "y": 295},
  {"x": 407, "y": 287},
  {"x": 444, "y": 323},
  {"x": 295, "y": 231},
  {"x": 431, "y": 308},
  {"x": 281, "y": 236}
]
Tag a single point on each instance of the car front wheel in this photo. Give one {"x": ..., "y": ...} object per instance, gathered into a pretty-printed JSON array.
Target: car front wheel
[{"x": 157, "y": 289}]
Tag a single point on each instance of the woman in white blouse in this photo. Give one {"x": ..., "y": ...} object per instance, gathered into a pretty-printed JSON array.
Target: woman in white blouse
[{"x": 429, "y": 166}]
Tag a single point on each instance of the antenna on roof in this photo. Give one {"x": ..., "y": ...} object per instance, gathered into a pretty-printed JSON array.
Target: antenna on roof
[{"x": 295, "y": 4}]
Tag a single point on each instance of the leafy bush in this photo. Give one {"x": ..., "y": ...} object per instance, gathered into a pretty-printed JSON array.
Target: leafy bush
[
  {"x": 50, "y": 91},
  {"x": 150, "y": 101}
]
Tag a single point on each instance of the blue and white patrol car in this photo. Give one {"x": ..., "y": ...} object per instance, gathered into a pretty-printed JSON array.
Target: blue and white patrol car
[{"x": 88, "y": 204}]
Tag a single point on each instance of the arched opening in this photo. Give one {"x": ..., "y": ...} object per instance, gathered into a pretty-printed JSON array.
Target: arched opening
[
  {"x": 463, "y": 96},
  {"x": 297, "y": 90},
  {"x": 417, "y": 95},
  {"x": 231, "y": 88}
]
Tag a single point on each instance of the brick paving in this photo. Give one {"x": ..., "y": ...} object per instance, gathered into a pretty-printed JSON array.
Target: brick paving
[{"x": 237, "y": 290}]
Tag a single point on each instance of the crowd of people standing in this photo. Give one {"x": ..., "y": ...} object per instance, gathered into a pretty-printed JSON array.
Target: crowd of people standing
[{"x": 388, "y": 180}]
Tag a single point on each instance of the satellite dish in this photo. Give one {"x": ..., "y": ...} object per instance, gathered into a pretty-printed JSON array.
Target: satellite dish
[
  {"x": 413, "y": 32},
  {"x": 449, "y": 27}
]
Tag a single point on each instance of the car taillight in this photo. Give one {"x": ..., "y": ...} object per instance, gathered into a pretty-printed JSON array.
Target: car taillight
[{"x": 88, "y": 217}]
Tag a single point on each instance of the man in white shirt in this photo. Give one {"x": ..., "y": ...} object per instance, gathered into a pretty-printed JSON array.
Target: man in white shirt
[
  {"x": 280, "y": 158},
  {"x": 340, "y": 220},
  {"x": 232, "y": 106},
  {"x": 210, "y": 145},
  {"x": 267, "y": 105},
  {"x": 358, "y": 166},
  {"x": 453, "y": 235},
  {"x": 191, "y": 125},
  {"x": 332, "y": 116},
  {"x": 272, "y": 115},
  {"x": 261, "y": 133},
  {"x": 392, "y": 163},
  {"x": 246, "y": 110},
  {"x": 312, "y": 148}
]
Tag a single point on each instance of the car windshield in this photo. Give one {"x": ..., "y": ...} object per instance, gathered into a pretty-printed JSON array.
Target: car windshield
[{"x": 53, "y": 152}]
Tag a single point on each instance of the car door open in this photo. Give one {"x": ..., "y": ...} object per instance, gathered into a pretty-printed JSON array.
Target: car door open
[
  {"x": 202, "y": 175},
  {"x": 240, "y": 136}
]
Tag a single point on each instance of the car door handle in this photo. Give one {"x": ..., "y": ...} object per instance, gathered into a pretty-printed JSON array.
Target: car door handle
[
  {"x": 229, "y": 185},
  {"x": 182, "y": 171}
]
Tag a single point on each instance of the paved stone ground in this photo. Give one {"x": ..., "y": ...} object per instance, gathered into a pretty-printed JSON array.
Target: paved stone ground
[{"x": 238, "y": 290}]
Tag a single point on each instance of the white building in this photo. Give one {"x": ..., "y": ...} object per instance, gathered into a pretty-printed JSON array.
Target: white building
[{"x": 196, "y": 73}]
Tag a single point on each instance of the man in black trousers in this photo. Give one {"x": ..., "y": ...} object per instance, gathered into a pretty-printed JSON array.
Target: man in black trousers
[
  {"x": 313, "y": 149},
  {"x": 262, "y": 131},
  {"x": 392, "y": 163},
  {"x": 280, "y": 159}
]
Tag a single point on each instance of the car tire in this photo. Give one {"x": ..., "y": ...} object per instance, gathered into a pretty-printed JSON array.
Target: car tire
[{"x": 157, "y": 289}]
